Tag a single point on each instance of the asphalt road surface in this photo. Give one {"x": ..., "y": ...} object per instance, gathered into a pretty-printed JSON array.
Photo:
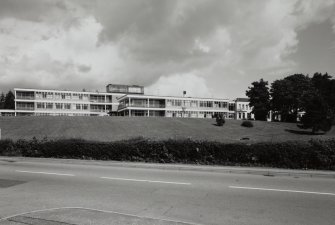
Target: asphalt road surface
[{"x": 55, "y": 192}]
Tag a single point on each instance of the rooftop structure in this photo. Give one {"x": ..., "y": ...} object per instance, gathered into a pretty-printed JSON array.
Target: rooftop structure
[{"x": 125, "y": 89}]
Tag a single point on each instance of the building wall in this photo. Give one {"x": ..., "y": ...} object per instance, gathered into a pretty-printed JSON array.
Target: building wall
[
  {"x": 70, "y": 103},
  {"x": 131, "y": 105},
  {"x": 243, "y": 110}
]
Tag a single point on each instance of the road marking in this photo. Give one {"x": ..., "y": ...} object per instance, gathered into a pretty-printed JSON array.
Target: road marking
[
  {"x": 58, "y": 174},
  {"x": 149, "y": 181},
  {"x": 283, "y": 190},
  {"x": 97, "y": 210}
]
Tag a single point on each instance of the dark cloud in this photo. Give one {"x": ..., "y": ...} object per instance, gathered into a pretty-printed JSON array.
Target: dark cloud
[
  {"x": 220, "y": 46},
  {"x": 84, "y": 68}
]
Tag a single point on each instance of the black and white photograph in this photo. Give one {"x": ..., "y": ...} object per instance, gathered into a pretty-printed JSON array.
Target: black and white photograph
[{"x": 167, "y": 112}]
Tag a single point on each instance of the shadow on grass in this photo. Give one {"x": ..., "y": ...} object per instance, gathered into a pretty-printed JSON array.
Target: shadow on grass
[
  {"x": 302, "y": 132},
  {"x": 214, "y": 124}
]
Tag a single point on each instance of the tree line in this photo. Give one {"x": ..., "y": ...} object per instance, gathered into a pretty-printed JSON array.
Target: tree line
[
  {"x": 7, "y": 101},
  {"x": 312, "y": 96}
]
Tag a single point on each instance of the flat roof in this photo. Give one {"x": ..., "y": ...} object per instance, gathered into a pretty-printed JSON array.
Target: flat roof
[
  {"x": 79, "y": 92},
  {"x": 242, "y": 99},
  {"x": 172, "y": 97}
]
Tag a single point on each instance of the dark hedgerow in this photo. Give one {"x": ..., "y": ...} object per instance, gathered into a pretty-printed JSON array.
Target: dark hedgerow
[
  {"x": 315, "y": 154},
  {"x": 247, "y": 123}
]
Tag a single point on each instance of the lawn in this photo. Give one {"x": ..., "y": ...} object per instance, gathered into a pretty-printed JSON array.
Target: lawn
[{"x": 120, "y": 128}]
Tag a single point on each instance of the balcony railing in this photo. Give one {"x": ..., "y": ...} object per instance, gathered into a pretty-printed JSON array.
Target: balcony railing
[
  {"x": 97, "y": 110},
  {"x": 97, "y": 100},
  {"x": 25, "y": 97},
  {"x": 24, "y": 108},
  {"x": 144, "y": 105}
]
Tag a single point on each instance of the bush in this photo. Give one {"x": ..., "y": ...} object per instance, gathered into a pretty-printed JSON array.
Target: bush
[
  {"x": 247, "y": 123},
  {"x": 220, "y": 120},
  {"x": 315, "y": 154}
]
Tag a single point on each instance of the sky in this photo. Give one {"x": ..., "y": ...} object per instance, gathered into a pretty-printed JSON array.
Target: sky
[{"x": 209, "y": 48}]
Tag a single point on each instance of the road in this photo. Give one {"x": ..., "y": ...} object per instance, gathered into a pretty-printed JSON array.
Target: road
[{"x": 72, "y": 192}]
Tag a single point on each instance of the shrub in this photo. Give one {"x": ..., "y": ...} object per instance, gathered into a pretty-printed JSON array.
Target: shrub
[
  {"x": 247, "y": 123},
  {"x": 220, "y": 120},
  {"x": 315, "y": 154}
]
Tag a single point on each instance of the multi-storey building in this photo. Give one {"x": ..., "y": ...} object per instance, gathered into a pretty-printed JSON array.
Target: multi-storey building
[
  {"x": 167, "y": 106},
  {"x": 71, "y": 103},
  {"x": 123, "y": 100}
]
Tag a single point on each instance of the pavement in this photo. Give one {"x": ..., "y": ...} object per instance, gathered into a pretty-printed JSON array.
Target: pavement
[{"x": 62, "y": 191}]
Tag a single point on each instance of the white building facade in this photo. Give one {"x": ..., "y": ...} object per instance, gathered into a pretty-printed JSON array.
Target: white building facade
[
  {"x": 168, "y": 106},
  {"x": 64, "y": 103},
  {"x": 123, "y": 100}
]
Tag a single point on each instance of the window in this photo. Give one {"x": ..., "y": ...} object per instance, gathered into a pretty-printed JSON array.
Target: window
[
  {"x": 194, "y": 104},
  {"x": 75, "y": 96},
  {"x": 49, "y": 105},
  {"x": 59, "y": 105},
  {"x": 177, "y": 102},
  {"x": 57, "y": 96},
  {"x": 49, "y": 95},
  {"x": 67, "y": 96},
  {"x": 40, "y": 105},
  {"x": 67, "y": 106},
  {"x": 206, "y": 104},
  {"x": 78, "y": 107}
]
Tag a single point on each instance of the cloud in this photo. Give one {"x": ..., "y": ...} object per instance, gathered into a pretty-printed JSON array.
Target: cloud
[
  {"x": 193, "y": 85},
  {"x": 220, "y": 46}
]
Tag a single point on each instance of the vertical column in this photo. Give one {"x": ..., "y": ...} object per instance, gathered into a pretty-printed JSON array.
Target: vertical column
[
  {"x": 105, "y": 103},
  {"x": 148, "y": 105}
]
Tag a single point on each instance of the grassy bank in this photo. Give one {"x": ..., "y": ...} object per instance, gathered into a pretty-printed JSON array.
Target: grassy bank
[{"x": 107, "y": 129}]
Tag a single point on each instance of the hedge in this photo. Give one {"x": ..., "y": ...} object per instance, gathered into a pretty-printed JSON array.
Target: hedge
[{"x": 315, "y": 154}]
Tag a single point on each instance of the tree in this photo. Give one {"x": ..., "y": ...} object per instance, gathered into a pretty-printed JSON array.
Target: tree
[
  {"x": 9, "y": 101},
  {"x": 318, "y": 115},
  {"x": 319, "y": 104},
  {"x": 259, "y": 98},
  {"x": 2, "y": 100},
  {"x": 286, "y": 95},
  {"x": 326, "y": 87}
]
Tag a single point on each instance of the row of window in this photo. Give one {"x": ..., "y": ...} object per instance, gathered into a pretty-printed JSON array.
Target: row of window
[
  {"x": 73, "y": 96},
  {"x": 62, "y": 114},
  {"x": 244, "y": 106},
  {"x": 245, "y": 116},
  {"x": 195, "y": 104},
  {"x": 61, "y": 106},
  {"x": 195, "y": 114}
]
